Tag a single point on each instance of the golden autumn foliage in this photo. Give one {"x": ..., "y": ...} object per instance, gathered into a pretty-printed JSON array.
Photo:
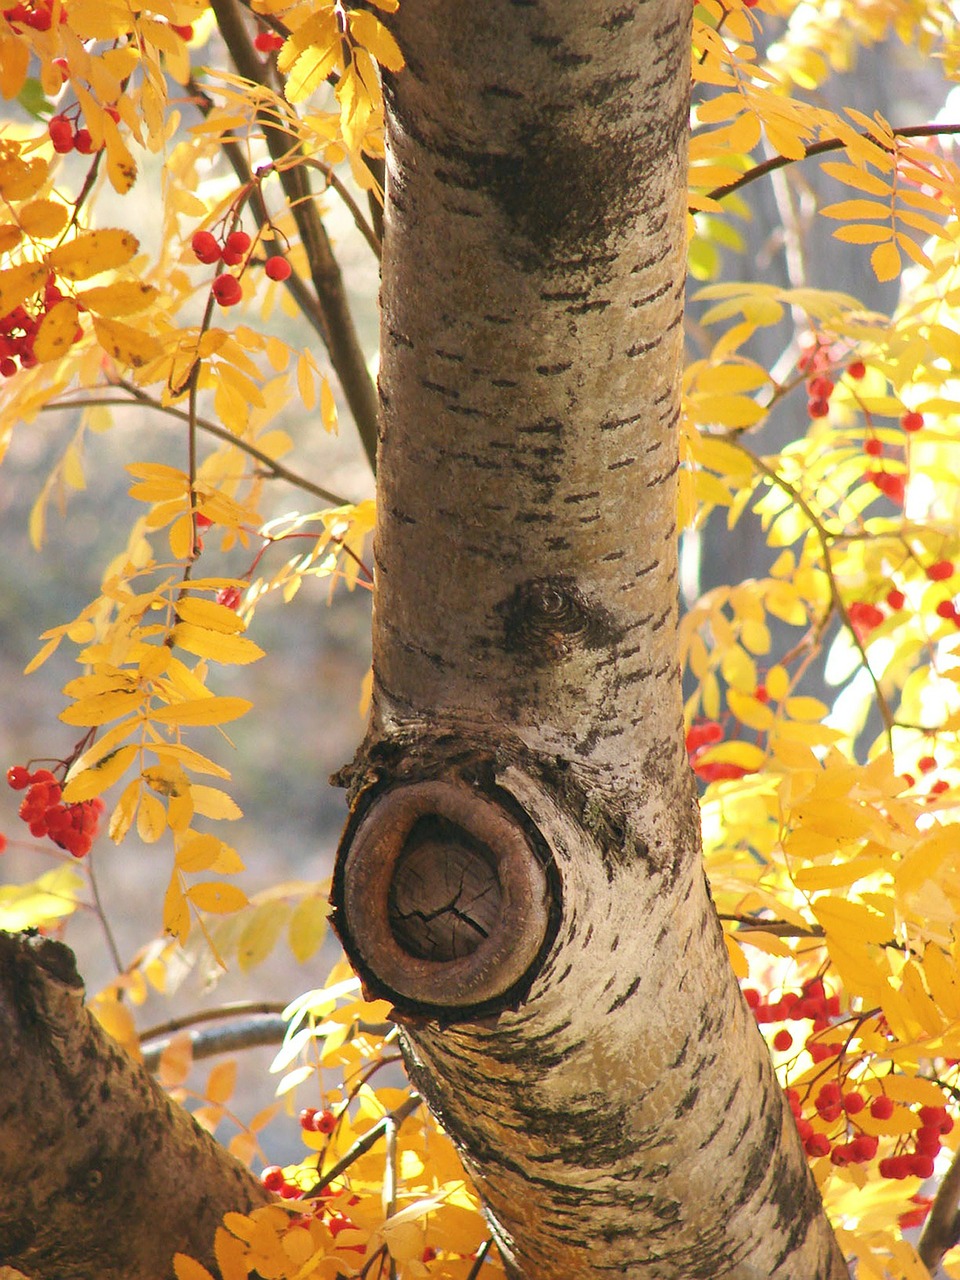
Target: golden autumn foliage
[{"x": 830, "y": 847}]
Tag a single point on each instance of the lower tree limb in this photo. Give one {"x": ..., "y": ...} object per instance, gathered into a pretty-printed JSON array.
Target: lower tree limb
[{"x": 101, "y": 1174}]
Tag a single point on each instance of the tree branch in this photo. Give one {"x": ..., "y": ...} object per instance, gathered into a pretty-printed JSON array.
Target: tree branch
[
  {"x": 101, "y": 1174},
  {"x": 340, "y": 337},
  {"x": 821, "y": 148},
  {"x": 941, "y": 1231}
]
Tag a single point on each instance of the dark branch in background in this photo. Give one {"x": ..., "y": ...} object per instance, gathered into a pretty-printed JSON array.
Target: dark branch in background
[
  {"x": 820, "y": 148},
  {"x": 140, "y": 397},
  {"x": 781, "y": 928},
  {"x": 339, "y": 333},
  {"x": 941, "y": 1231},
  {"x": 251, "y": 1032}
]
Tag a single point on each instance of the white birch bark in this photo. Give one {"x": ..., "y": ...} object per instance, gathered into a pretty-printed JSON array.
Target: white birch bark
[{"x": 522, "y": 870}]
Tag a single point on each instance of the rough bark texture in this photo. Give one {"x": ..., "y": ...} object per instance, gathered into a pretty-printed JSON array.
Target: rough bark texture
[
  {"x": 100, "y": 1173},
  {"x": 615, "y": 1102}
]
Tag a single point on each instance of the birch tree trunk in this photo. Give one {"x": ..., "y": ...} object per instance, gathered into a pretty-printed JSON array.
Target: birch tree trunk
[{"x": 521, "y": 873}]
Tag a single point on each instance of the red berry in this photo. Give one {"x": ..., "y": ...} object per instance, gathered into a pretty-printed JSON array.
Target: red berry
[
  {"x": 947, "y": 610},
  {"x": 818, "y": 1145},
  {"x": 237, "y": 242},
  {"x": 873, "y": 447},
  {"x": 926, "y": 764},
  {"x": 911, "y": 421},
  {"x": 853, "y": 1102},
  {"x": 8, "y": 367},
  {"x": 921, "y": 1166},
  {"x": 864, "y": 1147},
  {"x": 267, "y": 41},
  {"x": 277, "y": 268},
  {"x": 940, "y": 571},
  {"x": 206, "y": 247},
  {"x": 782, "y": 1041},
  {"x": 894, "y": 487},
  {"x": 226, "y": 290},
  {"x": 939, "y": 787},
  {"x": 927, "y": 1139},
  {"x": 307, "y": 1117},
  {"x": 896, "y": 599},
  {"x": 325, "y": 1122},
  {"x": 856, "y": 369},
  {"x": 751, "y": 996},
  {"x": 61, "y": 134},
  {"x": 820, "y": 387},
  {"x": 882, "y": 1107},
  {"x": 185, "y": 32},
  {"x": 272, "y": 1177},
  {"x": 18, "y": 777},
  {"x": 818, "y": 408}
]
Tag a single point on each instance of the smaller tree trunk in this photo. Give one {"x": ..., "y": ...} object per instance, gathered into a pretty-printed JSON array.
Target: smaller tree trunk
[{"x": 101, "y": 1174}]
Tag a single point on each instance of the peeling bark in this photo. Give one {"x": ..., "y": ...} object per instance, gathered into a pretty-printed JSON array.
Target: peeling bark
[
  {"x": 101, "y": 1174},
  {"x": 590, "y": 1052}
]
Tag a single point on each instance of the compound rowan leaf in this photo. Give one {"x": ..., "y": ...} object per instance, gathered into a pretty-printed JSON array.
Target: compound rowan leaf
[{"x": 91, "y": 252}]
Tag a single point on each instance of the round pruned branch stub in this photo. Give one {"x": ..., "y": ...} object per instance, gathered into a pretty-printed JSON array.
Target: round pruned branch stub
[{"x": 443, "y": 900}]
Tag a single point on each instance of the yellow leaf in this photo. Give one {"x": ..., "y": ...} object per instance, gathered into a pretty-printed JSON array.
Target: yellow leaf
[
  {"x": 215, "y": 645},
  {"x": 328, "y": 406},
  {"x": 175, "y": 1061},
  {"x": 122, "y": 817},
  {"x": 209, "y": 614},
  {"x": 91, "y": 252},
  {"x": 10, "y": 235},
  {"x": 852, "y": 921},
  {"x": 198, "y": 853},
  {"x": 749, "y": 711},
  {"x": 14, "y": 64},
  {"x": 216, "y": 896},
  {"x": 121, "y": 166},
  {"x": 127, "y": 345},
  {"x": 885, "y": 261},
  {"x": 176, "y": 913},
  {"x": 308, "y": 927},
  {"x": 943, "y": 981},
  {"x": 72, "y": 468},
  {"x": 191, "y": 759},
  {"x": 51, "y": 896},
  {"x": 854, "y": 176},
  {"x": 221, "y": 1082},
  {"x": 124, "y": 298},
  {"x": 187, "y": 1268},
  {"x": 850, "y": 209},
  {"x": 863, "y": 233},
  {"x": 103, "y": 707},
  {"x": 376, "y": 39},
  {"x": 210, "y": 802},
  {"x": 117, "y": 1020},
  {"x": 151, "y": 818},
  {"x": 738, "y": 961},
  {"x": 202, "y": 711},
  {"x": 94, "y": 780},
  {"x": 56, "y": 330},
  {"x": 229, "y": 1251},
  {"x": 19, "y": 283},
  {"x": 43, "y": 218}
]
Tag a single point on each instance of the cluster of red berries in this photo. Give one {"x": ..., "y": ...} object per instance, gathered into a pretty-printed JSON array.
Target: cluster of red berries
[
  {"x": 232, "y": 252},
  {"x": 38, "y": 16},
  {"x": 705, "y": 734},
  {"x": 19, "y": 327},
  {"x": 73, "y": 827},
  {"x": 313, "y": 1120},
  {"x": 835, "y": 1106},
  {"x": 866, "y": 616}
]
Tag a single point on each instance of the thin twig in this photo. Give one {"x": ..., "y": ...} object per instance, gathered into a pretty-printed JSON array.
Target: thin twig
[
  {"x": 480, "y": 1259},
  {"x": 102, "y": 916},
  {"x": 140, "y": 397},
  {"x": 779, "y": 928}
]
